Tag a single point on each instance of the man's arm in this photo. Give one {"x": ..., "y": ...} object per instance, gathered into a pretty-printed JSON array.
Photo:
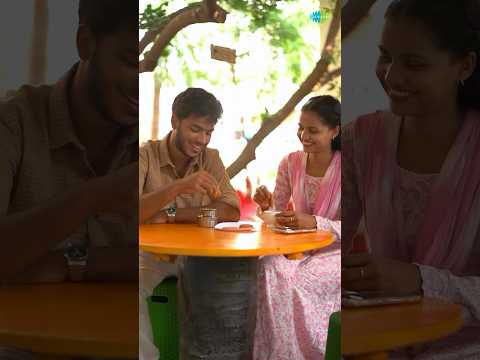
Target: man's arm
[
  {"x": 29, "y": 236},
  {"x": 104, "y": 264},
  {"x": 152, "y": 203},
  {"x": 225, "y": 212},
  {"x": 227, "y": 205}
]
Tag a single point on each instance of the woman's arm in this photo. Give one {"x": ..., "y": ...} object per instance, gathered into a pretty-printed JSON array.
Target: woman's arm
[
  {"x": 351, "y": 203},
  {"x": 283, "y": 189}
]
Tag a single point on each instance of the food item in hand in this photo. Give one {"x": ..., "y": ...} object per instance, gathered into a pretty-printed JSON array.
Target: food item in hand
[{"x": 215, "y": 194}]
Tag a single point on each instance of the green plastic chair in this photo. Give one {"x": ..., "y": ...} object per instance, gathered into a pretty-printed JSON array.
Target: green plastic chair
[
  {"x": 162, "y": 308},
  {"x": 333, "y": 351}
]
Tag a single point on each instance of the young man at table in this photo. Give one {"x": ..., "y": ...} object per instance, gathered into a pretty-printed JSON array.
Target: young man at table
[
  {"x": 68, "y": 160},
  {"x": 177, "y": 176}
]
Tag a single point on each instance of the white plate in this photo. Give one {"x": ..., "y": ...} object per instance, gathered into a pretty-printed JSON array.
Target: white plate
[{"x": 235, "y": 226}]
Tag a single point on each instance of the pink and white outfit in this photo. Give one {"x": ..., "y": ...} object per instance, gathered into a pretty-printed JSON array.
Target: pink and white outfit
[
  {"x": 296, "y": 297},
  {"x": 432, "y": 220}
]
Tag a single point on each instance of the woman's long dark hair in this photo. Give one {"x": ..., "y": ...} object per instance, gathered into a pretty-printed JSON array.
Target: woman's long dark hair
[
  {"x": 455, "y": 26},
  {"x": 329, "y": 110}
]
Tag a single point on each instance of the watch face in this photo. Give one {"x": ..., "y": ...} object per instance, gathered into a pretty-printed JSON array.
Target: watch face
[
  {"x": 76, "y": 252},
  {"x": 171, "y": 211}
]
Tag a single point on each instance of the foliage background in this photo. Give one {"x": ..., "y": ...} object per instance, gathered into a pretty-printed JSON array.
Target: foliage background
[{"x": 276, "y": 46}]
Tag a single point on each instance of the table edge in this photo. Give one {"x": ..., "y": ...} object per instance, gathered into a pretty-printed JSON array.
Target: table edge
[
  {"x": 61, "y": 346},
  {"x": 386, "y": 342},
  {"x": 221, "y": 252}
]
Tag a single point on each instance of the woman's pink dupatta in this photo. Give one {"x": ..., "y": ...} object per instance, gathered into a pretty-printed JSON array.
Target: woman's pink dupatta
[
  {"x": 328, "y": 199},
  {"x": 452, "y": 219}
]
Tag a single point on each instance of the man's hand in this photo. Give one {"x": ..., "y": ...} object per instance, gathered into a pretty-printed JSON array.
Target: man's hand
[
  {"x": 37, "y": 230},
  {"x": 263, "y": 197},
  {"x": 295, "y": 219},
  {"x": 365, "y": 272},
  {"x": 199, "y": 182}
]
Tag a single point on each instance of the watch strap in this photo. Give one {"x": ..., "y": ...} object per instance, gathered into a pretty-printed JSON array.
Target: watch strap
[{"x": 77, "y": 271}]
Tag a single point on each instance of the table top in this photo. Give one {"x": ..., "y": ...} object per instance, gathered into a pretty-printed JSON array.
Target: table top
[
  {"x": 192, "y": 240},
  {"x": 71, "y": 319},
  {"x": 381, "y": 328}
]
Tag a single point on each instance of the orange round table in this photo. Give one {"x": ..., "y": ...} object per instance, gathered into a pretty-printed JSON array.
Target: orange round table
[
  {"x": 368, "y": 333},
  {"x": 193, "y": 240},
  {"x": 166, "y": 240},
  {"x": 93, "y": 320}
]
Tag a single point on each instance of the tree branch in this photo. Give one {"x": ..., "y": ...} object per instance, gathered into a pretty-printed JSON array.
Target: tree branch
[
  {"x": 206, "y": 11},
  {"x": 353, "y": 13},
  {"x": 329, "y": 76},
  {"x": 151, "y": 34},
  {"x": 211, "y": 7},
  {"x": 271, "y": 123}
]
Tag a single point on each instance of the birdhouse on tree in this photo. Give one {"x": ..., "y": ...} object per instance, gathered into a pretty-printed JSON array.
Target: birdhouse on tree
[{"x": 223, "y": 54}]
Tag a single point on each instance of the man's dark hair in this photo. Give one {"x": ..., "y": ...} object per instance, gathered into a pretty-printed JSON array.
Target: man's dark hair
[
  {"x": 197, "y": 102},
  {"x": 105, "y": 17}
]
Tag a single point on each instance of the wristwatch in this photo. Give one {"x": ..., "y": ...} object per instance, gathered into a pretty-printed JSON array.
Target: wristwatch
[
  {"x": 76, "y": 257},
  {"x": 171, "y": 213}
]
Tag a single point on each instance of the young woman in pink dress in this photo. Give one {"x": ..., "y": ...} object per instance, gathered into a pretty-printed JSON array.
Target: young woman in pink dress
[
  {"x": 296, "y": 297},
  {"x": 413, "y": 172}
]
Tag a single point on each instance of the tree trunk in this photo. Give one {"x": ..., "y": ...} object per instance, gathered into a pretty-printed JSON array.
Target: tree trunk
[
  {"x": 319, "y": 74},
  {"x": 156, "y": 110},
  {"x": 38, "y": 51},
  {"x": 206, "y": 11}
]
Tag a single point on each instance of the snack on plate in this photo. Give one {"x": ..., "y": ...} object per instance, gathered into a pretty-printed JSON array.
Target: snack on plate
[
  {"x": 229, "y": 228},
  {"x": 236, "y": 227}
]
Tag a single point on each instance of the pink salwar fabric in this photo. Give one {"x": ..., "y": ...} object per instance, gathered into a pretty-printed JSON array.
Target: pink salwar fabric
[
  {"x": 432, "y": 220},
  {"x": 327, "y": 201},
  {"x": 296, "y": 297}
]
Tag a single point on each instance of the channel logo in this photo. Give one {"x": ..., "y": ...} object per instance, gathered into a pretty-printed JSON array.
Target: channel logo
[{"x": 321, "y": 15}]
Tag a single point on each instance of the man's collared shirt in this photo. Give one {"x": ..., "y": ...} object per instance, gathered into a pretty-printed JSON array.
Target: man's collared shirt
[
  {"x": 41, "y": 158},
  {"x": 156, "y": 169}
]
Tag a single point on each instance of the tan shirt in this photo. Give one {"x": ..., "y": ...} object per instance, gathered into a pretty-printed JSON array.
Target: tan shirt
[
  {"x": 156, "y": 169},
  {"x": 41, "y": 157}
]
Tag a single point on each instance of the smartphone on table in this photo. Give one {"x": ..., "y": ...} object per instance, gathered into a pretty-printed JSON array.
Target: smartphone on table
[{"x": 353, "y": 299}]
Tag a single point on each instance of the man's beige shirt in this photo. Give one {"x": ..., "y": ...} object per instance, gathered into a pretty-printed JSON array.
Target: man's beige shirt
[
  {"x": 41, "y": 158},
  {"x": 156, "y": 169}
]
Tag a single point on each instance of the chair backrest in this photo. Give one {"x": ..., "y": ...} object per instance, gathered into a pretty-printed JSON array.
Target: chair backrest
[
  {"x": 333, "y": 351},
  {"x": 162, "y": 308}
]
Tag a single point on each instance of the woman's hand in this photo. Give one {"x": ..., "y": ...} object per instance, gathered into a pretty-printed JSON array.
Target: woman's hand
[
  {"x": 365, "y": 272},
  {"x": 263, "y": 197},
  {"x": 295, "y": 219}
]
